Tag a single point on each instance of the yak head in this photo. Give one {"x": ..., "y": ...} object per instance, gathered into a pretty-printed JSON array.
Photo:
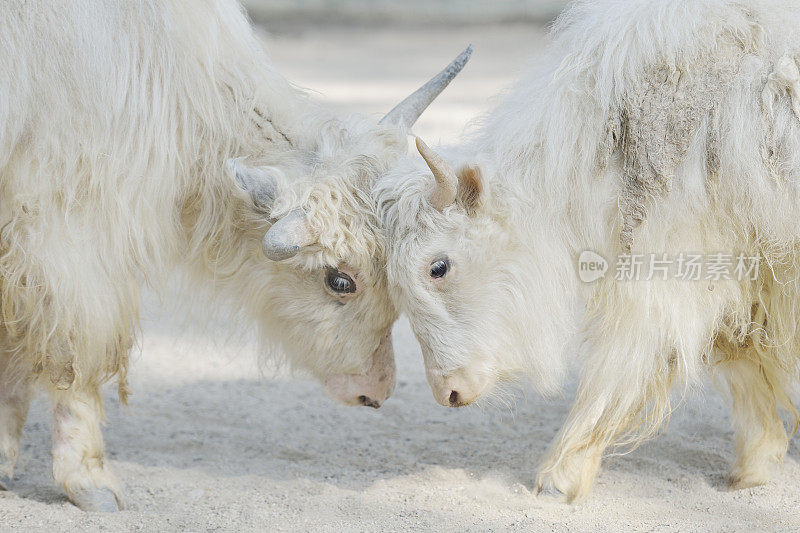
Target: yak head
[
  {"x": 463, "y": 266},
  {"x": 326, "y": 297}
]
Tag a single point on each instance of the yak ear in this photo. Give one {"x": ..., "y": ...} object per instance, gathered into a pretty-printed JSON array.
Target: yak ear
[
  {"x": 470, "y": 187},
  {"x": 258, "y": 183}
]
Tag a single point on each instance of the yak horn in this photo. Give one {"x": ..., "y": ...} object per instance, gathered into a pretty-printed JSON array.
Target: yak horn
[
  {"x": 446, "y": 180},
  {"x": 406, "y": 113},
  {"x": 287, "y": 236}
]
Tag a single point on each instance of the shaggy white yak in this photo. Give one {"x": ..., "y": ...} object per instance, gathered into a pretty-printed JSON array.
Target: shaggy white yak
[
  {"x": 140, "y": 135},
  {"x": 650, "y": 127}
]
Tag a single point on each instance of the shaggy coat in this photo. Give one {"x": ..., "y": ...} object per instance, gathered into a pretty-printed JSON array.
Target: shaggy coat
[
  {"x": 650, "y": 128},
  {"x": 117, "y": 122}
]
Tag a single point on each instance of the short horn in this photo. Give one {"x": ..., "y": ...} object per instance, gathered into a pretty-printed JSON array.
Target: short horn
[
  {"x": 446, "y": 180},
  {"x": 406, "y": 113},
  {"x": 288, "y": 236}
]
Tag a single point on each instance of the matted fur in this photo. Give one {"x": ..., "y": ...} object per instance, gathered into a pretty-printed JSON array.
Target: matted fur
[
  {"x": 649, "y": 127},
  {"x": 114, "y": 133},
  {"x": 117, "y": 121}
]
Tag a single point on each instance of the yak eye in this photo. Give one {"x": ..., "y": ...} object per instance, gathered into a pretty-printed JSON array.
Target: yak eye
[
  {"x": 339, "y": 282},
  {"x": 439, "y": 268}
]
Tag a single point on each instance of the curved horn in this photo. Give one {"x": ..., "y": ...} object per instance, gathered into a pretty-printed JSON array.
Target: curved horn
[
  {"x": 446, "y": 180},
  {"x": 287, "y": 236},
  {"x": 406, "y": 113}
]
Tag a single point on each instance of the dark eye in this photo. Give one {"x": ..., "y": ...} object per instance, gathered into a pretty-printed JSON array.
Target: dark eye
[
  {"x": 439, "y": 268},
  {"x": 339, "y": 282}
]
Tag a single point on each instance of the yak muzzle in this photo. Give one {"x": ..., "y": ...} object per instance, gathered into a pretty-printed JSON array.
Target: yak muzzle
[
  {"x": 371, "y": 389},
  {"x": 456, "y": 389}
]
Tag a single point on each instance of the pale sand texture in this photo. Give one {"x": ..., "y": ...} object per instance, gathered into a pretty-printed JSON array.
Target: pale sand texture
[{"x": 207, "y": 445}]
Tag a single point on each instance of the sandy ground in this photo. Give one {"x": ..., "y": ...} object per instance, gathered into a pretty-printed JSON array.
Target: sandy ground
[{"x": 208, "y": 445}]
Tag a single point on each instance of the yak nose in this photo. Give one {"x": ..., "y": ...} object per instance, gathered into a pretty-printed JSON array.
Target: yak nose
[
  {"x": 456, "y": 398},
  {"x": 366, "y": 401},
  {"x": 453, "y": 399},
  {"x": 456, "y": 389}
]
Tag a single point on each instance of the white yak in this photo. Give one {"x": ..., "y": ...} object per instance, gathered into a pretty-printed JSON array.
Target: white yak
[
  {"x": 137, "y": 136},
  {"x": 651, "y": 134}
]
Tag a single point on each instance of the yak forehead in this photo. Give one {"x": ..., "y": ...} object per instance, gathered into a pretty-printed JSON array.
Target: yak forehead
[
  {"x": 400, "y": 197},
  {"x": 349, "y": 158},
  {"x": 348, "y": 231}
]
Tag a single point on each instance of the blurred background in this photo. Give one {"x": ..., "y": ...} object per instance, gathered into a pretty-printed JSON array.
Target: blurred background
[
  {"x": 367, "y": 55},
  {"x": 415, "y": 12}
]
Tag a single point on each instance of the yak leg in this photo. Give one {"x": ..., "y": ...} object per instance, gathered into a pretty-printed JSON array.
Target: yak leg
[
  {"x": 616, "y": 387},
  {"x": 761, "y": 440},
  {"x": 15, "y": 396},
  {"x": 79, "y": 464}
]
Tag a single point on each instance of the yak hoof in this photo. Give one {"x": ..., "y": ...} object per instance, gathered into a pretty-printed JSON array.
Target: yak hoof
[
  {"x": 739, "y": 480},
  {"x": 550, "y": 494},
  {"x": 96, "y": 501},
  {"x": 5, "y": 482}
]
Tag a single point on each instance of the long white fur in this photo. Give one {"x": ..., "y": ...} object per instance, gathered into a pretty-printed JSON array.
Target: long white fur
[
  {"x": 553, "y": 156},
  {"x": 117, "y": 119}
]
